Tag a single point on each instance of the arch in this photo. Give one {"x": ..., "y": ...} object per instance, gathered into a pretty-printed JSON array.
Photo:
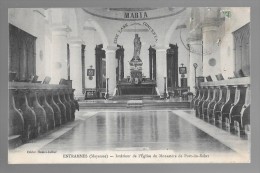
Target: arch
[
  {"x": 100, "y": 32},
  {"x": 56, "y": 15},
  {"x": 180, "y": 19},
  {"x": 72, "y": 21},
  {"x": 169, "y": 32}
]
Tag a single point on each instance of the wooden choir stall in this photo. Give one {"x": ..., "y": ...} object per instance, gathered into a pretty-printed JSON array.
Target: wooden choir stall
[
  {"x": 225, "y": 103},
  {"x": 36, "y": 108}
]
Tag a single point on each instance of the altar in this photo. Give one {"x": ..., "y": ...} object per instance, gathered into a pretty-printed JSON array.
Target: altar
[
  {"x": 137, "y": 84},
  {"x": 145, "y": 87}
]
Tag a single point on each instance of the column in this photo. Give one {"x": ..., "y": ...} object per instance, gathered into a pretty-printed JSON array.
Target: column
[
  {"x": 76, "y": 67},
  {"x": 59, "y": 53},
  {"x": 161, "y": 68},
  {"x": 211, "y": 61},
  {"x": 195, "y": 46},
  {"x": 111, "y": 65}
]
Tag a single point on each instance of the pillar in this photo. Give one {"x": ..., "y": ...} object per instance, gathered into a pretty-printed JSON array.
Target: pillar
[
  {"x": 161, "y": 69},
  {"x": 76, "y": 67},
  {"x": 111, "y": 65},
  {"x": 195, "y": 54},
  {"x": 211, "y": 60},
  {"x": 59, "y": 53}
]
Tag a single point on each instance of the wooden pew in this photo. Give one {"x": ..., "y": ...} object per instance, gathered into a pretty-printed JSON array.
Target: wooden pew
[
  {"x": 212, "y": 103},
  {"x": 39, "y": 111},
  {"x": 217, "y": 107},
  {"x": 66, "y": 104},
  {"x": 36, "y": 108},
  {"x": 203, "y": 98},
  {"x": 72, "y": 103},
  {"x": 239, "y": 120},
  {"x": 196, "y": 102},
  {"x": 197, "y": 91},
  {"x": 48, "y": 109},
  {"x": 206, "y": 102},
  {"x": 225, "y": 109},
  {"x": 61, "y": 106},
  {"x": 55, "y": 108},
  {"x": 232, "y": 107},
  {"x": 16, "y": 121},
  {"x": 29, "y": 115}
]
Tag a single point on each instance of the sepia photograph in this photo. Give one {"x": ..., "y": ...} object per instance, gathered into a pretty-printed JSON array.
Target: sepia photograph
[{"x": 129, "y": 85}]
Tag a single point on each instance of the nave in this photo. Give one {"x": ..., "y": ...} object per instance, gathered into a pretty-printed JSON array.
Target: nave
[
  {"x": 171, "y": 79},
  {"x": 119, "y": 131}
]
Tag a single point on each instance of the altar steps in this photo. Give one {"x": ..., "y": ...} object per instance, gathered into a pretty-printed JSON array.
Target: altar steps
[
  {"x": 136, "y": 97},
  {"x": 141, "y": 104},
  {"x": 135, "y": 104}
]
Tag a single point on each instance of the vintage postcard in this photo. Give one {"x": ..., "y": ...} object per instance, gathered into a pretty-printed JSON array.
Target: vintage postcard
[{"x": 129, "y": 85}]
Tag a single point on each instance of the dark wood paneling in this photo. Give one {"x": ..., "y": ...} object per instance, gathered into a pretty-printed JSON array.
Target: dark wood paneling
[
  {"x": 120, "y": 63},
  {"x": 22, "y": 53},
  {"x": 242, "y": 49},
  {"x": 83, "y": 66},
  {"x": 100, "y": 68},
  {"x": 152, "y": 63},
  {"x": 172, "y": 66}
]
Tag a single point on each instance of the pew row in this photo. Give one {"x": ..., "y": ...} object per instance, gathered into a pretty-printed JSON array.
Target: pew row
[
  {"x": 225, "y": 104},
  {"x": 35, "y": 109}
]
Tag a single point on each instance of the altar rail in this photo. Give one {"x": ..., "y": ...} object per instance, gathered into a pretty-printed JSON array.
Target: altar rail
[
  {"x": 37, "y": 108},
  {"x": 225, "y": 104}
]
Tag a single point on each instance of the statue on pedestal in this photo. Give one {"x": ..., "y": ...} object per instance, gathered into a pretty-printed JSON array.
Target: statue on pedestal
[
  {"x": 136, "y": 63},
  {"x": 137, "y": 47}
]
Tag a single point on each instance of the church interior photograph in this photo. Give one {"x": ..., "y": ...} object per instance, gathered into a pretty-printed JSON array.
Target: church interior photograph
[{"x": 129, "y": 85}]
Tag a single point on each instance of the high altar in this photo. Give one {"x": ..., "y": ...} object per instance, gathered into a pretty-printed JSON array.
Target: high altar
[{"x": 137, "y": 84}]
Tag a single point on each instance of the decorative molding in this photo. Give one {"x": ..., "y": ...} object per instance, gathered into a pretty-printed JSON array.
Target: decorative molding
[
  {"x": 60, "y": 29},
  {"x": 111, "y": 49},
  {"x": 74, "y": 41},
  {"x": 89, "y": 28},
  {"x": 194, "y": 39},
  {"x": 209, "y": 28},
  {"x": 105, "y": 14},
  {"x": 161, "y": 48},
  {"x": 212, "y": 22}
]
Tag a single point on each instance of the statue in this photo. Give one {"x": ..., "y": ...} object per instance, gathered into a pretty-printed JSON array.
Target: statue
[
  {"x": 136, "y": 62},
  {"x": 137, "y": 47}
]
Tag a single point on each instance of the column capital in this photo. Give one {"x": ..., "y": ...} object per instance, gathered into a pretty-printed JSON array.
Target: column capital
[
  {"x": 111, "y": 48},
  {"x": 75, "y": 41},
  {"x": 206, "y": 28},
  {"x": 211, "y": 24},
  {"x": 194, "y": 41},
  {"x": 161, "y": 48},
  {"x": 60, "y": 29}
]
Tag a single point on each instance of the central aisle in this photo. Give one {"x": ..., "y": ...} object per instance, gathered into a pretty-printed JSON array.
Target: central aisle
[{"x": 137, "y": 130}]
